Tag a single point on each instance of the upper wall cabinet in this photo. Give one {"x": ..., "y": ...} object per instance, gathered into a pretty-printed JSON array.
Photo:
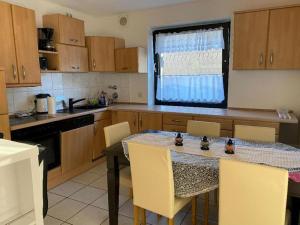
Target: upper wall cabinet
[
  {"x": 18, "y": 45},
  {"x": 284, "y": 39},
  {"x": 102, "y": 53},
  {"x": 69, "y": 59},
  {"x": 250, "y": 40},
  {"x": 131, "y": 60},
  {"x": 267, "y": 39},
  {"x": 67, "y": 30}
]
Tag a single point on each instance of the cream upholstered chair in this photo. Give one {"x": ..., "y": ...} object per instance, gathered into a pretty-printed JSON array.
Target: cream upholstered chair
[
  {"x": 153, "y": 183},
  {"x": 255, "y": 133},
  {"x": 252, "y": 194},
  {"x": 201, "y": 128},
  {"x": 114, "y": 134}
]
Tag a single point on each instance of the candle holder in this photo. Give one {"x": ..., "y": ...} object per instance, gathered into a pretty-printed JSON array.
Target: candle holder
[
  {"x": 229, "y": 147},
  {"x": 204, "y": 144}
]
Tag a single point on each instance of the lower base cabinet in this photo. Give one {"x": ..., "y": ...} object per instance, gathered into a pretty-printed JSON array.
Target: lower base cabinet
[
  {"x": 99, "y": 138},
  {"x": 76, "y": 148},
  {"x": 4, "y": 126}
]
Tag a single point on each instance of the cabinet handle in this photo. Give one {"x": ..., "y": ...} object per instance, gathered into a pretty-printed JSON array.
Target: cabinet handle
[
  {"x": 24, "y": 72},
  {"x": 176, "y": 121},
  {"x": 14, "y": 71},
  {"x": 78, "y": 67},
  {"x": 271, "y": 58},
  {"x": 71, "y": 39},
  {"x": 261, "y": 59},
  {"x": 74, "y": 67},
  {"x": 94, "y": 63},
  {"x": 125, "y": 68}
]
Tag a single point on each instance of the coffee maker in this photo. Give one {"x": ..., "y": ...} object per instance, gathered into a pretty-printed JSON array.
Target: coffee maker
[{"x": 46, "y": 39}]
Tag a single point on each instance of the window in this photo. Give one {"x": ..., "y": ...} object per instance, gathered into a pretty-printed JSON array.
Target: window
[{"x": 191, "y": 65}]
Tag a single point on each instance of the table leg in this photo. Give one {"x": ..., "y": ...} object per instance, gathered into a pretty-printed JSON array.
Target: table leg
[
  {"x": 295, "y": 210},
  {"x": 113, "y": 189}
]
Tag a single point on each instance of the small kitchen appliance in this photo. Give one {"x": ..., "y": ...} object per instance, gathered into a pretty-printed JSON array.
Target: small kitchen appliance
[
  {"x": 43, "y": 63},
  {"x": 41, "y": 103},
  {"x": 46, "y": 39}
]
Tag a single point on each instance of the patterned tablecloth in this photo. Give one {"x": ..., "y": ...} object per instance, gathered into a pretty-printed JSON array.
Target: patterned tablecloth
[{"x": 196, "y": 171}]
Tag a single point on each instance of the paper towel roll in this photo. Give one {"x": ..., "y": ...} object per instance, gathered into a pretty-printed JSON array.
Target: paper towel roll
[{"x": 51, "y": 105}]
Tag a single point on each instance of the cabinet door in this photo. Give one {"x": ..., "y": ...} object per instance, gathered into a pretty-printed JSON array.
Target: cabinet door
[
  {"x": 99, "y": 138},
  {"x": 127, "y": 60},
  {"x": 130, "y": 117},
  {"x": 150, "y": 121},
  {"x": 26, "y": 45},
  {"x": 76, "y": 148},
  {"x": 250, "y": 40},
  {"x": 71, "y": 31},
  {"x": 3, "y": 98},
  {"x": 284, "y": 39},
  {"x": 101, "y": 54},
  {"x": 7, "y": 44},
  {"x": 4, "y": 126},
  {"x": 72, "y": 58}
]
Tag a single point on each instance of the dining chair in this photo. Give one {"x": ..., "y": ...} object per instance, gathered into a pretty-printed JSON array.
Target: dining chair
[
  {"x": 252, "y": 194},
  {"x": 114, "y": 134},
  {"x": 255, "y": 133},
  {"x": 153, "y": 183},
  {"x": 203, "y": 128}
]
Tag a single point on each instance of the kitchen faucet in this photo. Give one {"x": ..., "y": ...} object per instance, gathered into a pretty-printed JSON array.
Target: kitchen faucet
[{"x": 72, "y": 102}]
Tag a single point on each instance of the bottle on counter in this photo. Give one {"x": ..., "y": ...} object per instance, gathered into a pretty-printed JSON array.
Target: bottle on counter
[
  {"x": 179, "y": 139},
  {"x": 204, "y": 144},
  {"x": 230, "y": 147}
]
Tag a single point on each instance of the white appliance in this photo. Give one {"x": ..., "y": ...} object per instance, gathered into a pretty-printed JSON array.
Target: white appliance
[{"x": 42, "y": 103}]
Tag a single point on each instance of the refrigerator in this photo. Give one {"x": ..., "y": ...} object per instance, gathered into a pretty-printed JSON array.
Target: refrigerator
[{"x": 4, "y": 119}]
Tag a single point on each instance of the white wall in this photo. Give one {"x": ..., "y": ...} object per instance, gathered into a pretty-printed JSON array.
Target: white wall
[{"x": 247, "y": 89}]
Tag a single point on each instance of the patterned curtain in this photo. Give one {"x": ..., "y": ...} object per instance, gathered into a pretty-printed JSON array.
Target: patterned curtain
[{"x": 190, "y": 66}]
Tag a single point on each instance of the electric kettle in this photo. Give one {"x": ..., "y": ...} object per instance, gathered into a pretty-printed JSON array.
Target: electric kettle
[{"x": 41, "y": 103}]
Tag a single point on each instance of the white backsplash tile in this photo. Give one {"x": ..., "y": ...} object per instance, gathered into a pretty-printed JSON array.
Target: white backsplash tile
[{"x": 130, "y": 88}]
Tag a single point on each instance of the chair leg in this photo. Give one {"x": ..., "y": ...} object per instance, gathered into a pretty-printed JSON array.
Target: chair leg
[
  {"x": 194, "y": 210},
  {"x": 206, "y": 208},
  {"x": 171, "y": 221},
  {"x": 136, "y": 215},
  {"x": 143, "y": 214}
]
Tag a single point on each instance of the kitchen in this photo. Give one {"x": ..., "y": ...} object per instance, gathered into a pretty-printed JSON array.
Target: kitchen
[{"x": 106, "y": 61}]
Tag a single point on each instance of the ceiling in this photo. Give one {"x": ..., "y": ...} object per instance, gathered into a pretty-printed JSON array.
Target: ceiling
[{"x": 109, "y": 7}]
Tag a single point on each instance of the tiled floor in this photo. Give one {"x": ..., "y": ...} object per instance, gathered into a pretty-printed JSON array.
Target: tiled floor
[{"x": 83, "y": 201}]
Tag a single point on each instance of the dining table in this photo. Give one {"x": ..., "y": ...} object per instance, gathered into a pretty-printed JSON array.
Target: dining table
[{"x": 196, "y": 171}]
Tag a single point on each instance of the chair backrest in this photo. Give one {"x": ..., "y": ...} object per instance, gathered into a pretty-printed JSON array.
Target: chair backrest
[
  {"x": 115, "y": 133},
  {"x": 152, "y": 178},
  {"x": 203, "y": 128},
  {"x": 255, "y": 133},
  {"x": 251, "y": 194}
]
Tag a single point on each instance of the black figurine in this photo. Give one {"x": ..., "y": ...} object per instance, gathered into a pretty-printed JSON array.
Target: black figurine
[
  {"x": 204, "y": 144},
  {"x": 179, "y": 139}
]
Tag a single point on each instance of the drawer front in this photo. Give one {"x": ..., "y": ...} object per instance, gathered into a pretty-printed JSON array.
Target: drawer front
[
  {"x": 176, "y": 119},
  {"x": 259, "y": 124},
  {"x": 226, "y": 133},
  {"x": 226, "y": 124},
  {"x": 174, "y": 128},
  {"x": 102, "y": 115}
]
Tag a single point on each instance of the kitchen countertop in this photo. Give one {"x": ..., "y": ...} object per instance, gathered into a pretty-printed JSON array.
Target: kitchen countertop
[{"x": 269, "y": 116}]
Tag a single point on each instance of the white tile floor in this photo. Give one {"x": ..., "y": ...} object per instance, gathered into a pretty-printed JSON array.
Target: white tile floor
[{"x": 83, "y": 201}]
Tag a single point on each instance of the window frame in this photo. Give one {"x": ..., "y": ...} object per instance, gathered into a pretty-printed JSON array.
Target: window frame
[{"x": 225, "y": 62}]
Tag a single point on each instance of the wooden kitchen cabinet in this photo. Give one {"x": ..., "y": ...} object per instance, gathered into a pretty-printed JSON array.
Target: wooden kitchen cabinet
[
  {"x": 67, "y": 30},
  {"x": 127, "y": 116},
  {"x": 3, "y": 98},
  {"x": 284, "y": 39},
  {"x": 76, "y": 148},
  {"x": 150, "y": 121},
  {"x": 4, "y": 126},
  {"x": 18, "y": 46},
  {"x": 250, "y": 40},
  {"x": 102, "y": 53},
  {"x": 8, "y": 58},
  {"x": 70, "y": 58},
  {"x": 267, "y": 39},
  {"x": 131, "y": 60}
]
